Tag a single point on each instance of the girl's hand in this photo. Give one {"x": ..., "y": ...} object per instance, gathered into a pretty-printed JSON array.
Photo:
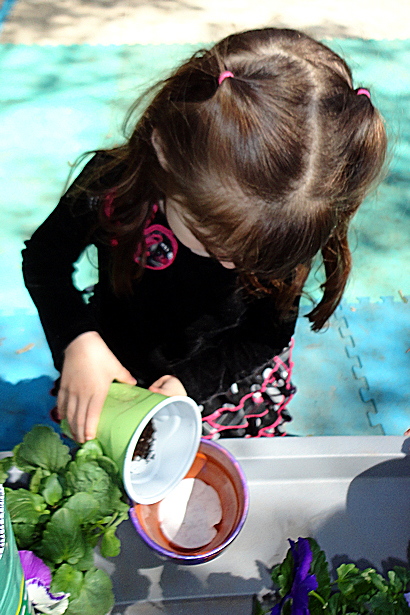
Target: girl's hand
[
  {"x": 89, "y": 369},
  {"x": 168, "y": 385}
]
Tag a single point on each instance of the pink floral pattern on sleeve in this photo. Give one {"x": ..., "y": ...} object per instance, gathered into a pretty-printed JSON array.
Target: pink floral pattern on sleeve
[{"x": 161, "y": 243}]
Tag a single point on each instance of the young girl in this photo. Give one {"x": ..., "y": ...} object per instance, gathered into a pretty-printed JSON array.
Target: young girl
[{"x": 250, "y": 159}]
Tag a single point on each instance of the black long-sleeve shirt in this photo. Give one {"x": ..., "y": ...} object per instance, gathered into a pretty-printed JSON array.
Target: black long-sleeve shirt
[{"x": 190, "y": 319}]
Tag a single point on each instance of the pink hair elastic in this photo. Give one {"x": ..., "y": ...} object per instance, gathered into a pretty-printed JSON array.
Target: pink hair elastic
[
  {"x": 363, "y": 91},
  {"x": 225, "y": 75}
]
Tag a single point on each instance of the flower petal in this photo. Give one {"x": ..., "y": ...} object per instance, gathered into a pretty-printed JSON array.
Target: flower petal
[
  {"x": 303, "y": 582},
  {"x": 35, "y": 568},
  {"x": 44, "y": 601},
  {"x": 304, "y": 558},
  {"x": 303, "y": 588},
  {"x": 310, "y": 583}
]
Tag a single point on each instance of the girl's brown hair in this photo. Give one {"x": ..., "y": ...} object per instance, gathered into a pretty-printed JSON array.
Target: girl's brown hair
[{"x": 269, "y": 166}]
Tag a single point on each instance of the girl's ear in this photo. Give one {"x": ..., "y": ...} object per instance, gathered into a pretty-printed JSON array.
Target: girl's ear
[{"x": 157, "y": 145}]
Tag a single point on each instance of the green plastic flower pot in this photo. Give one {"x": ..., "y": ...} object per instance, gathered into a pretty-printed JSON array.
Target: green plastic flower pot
[
  {"x": 177, "y": 433},
  {"x": 13, "y": 594}
]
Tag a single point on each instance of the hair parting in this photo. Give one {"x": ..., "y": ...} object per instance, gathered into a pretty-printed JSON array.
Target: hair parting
[{"x": 269, "y": 151}]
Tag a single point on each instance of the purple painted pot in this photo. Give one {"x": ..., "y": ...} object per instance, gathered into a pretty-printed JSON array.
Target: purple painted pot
[{"x": 215, "y": 466}]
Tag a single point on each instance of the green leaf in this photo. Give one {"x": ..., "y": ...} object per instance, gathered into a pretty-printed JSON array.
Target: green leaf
[
  {"x": 282, "y": 574},
  {"x": 381, "y": 604},
  {"x": 287, "y": 574},
  {"x": 378, "y": 582},
  {"x": 110, "y": 544},
  {"x": 316, "y": 607},
  {"x": 347, "y": 570},
  {"x": 63, "y": 540},
  {"x": 287, "y": 608},
  {"x": 26, "y": 535},
  {"x": 395, "y": 583},
  {"x": 402, "y": 608},
  {"x": 258, "y": 610},
  {"x": 42, "y": 447},
  {"x": 275, "y": 573},
  {"x": 95, "y": 597},
  {"x": 92, "y": 533},
  {"x": 319, "y": 567},
  {"x": 90, "y": 450},
  {"x": 86, "y": 506},
  {"x": 25, "y": 507},
  {"x": 87, "y": 561},
  {"x": 52, "y": 491},
  {"x": 336, "y": 605},
  {"x": 65, "y": 429},
  {"x": 350, "y": 581},
  {"x": 5, "y": 465},
  {"x": 121, "y": 515},
  {"x": 109, "y": 466},
  {"x": 403, "y": 574},
  {"x": 90, "y": 478},
  {"x": 36, "y": 479},
  {"x": 68, "y": 580}
]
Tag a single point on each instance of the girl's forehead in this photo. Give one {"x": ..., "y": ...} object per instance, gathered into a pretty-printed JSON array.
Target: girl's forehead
[{"x": 179, "y": 226}]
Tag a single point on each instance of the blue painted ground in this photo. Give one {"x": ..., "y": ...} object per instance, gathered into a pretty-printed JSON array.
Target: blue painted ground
[
  {"x": 5, "y": 9},
  {"x": 379, "y": 335},
  {"x": 57, "y": 102}
]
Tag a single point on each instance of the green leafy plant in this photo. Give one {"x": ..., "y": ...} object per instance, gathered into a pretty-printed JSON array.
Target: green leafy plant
[
  {"x": 353, "y": 592},
  {"x": 69, "y": 506}
]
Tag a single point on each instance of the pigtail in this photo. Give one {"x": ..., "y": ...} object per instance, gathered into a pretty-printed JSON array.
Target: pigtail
[
  {"x": 337, "y": 262},
  {"x": 364, "y": 150}
]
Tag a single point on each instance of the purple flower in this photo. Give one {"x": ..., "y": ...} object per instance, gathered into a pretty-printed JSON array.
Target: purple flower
[
  {"x": 277, "y": 608},
  {"x": 407, "y": 598},
  {"x": 35, "y": 568},
  {"x": 38, "y": 580},
  {"x": 303, "y": 582}
]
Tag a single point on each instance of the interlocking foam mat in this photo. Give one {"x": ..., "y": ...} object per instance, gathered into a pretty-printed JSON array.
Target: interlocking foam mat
[
  {"x": 378, "y": 336},
  {"x": 354, "y": 377},
  {"x": 328, "y": 401},
  {"x": 57, "y": 102}
]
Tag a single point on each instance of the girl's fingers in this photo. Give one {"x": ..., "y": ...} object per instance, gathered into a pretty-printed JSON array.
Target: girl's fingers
[
  {"x": 157, "y": 386},
  {"x": 89, "y": 369},
  {"x": 93, "y": 416},
  {"x": 159, "y": 383},
  {"x": 154, "y": 389},
  {"x": 72, "y": 415},
  {"x": 168, "y": 385},
  {"x": 77, "y": 410},
  {"x": 62, "y": 399},
  {"x": 125, "y": 376}
]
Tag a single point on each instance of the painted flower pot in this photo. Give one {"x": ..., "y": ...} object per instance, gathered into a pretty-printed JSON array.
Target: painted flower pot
[
  {"x": 176, "y": 424},
  {"x": 216, "y": 467}
]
